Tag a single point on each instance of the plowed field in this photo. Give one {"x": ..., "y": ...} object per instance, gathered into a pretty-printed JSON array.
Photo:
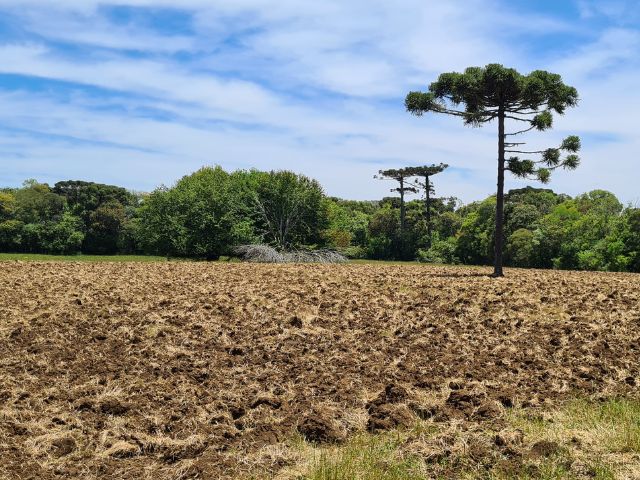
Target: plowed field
[{"x": 195, "y": 370}]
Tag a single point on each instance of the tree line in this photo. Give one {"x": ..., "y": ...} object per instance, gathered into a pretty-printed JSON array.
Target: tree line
[{"x": 206, "y": 214}]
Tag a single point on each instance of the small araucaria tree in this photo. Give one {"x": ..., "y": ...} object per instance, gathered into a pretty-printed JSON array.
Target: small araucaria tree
[
  {"x": 498, "y": 93},
  {"x": 400, "y": 175},
  {"x": 426, "y": 172}
]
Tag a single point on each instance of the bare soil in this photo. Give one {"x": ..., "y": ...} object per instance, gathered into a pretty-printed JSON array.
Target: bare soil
[{"x": 192, "y": 370}]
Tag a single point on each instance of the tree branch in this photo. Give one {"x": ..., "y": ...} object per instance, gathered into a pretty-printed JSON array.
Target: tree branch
[
  {"x": 448, "y": 111},
  {"x": 521, "y": 131},
  {"x": 527, "y": 110},
  {"x": 520, "y": 151},
  {"x": 518, "y": 119}
]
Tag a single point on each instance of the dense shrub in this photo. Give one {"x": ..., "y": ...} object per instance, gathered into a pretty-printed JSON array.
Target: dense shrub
[{"x": 441, "y": 251}]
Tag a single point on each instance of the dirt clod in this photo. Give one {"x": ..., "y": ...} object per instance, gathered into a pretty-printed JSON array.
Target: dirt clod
[
  {"x": 114, "y": 406},
  {"x": 63, "y": 446},
  {"x": 236, "y": 411},
  {"x": 488, "y": 410},
  {"x": 544, "y": 448},
  {"x": 509, "y": 438},
  {"x": 268, "y": 400},
  {"x": 465, "y": 402},
  {"x": 319, "y": 427},
  {"x": 122, "y": 450},
  {"x": 388, "y": 416},
  {"x": 295, "y": 322},
  {"x": 392, "y": 393}
]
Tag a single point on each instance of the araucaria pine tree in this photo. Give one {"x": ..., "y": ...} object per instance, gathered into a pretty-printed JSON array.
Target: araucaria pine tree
[
  {"x": 401, "y": 176},
  {"x": 498, "y": 93},
  {"x": 426, "y": 172}
]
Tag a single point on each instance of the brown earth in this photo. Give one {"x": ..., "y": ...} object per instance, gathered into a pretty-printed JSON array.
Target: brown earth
[{"x": 189, "y": 370}]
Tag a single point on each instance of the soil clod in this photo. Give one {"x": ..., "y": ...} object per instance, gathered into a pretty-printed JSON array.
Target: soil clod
[
  {"x": 319, "y": 427},
  {"x": 543, "y": 449}
]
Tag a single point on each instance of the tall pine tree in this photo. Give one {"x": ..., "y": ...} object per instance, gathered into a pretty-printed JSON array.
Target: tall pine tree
[{"x": 498, "y": 93}]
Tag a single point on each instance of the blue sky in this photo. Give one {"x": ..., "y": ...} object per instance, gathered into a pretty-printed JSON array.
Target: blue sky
[{"x": 141, "y": 92}]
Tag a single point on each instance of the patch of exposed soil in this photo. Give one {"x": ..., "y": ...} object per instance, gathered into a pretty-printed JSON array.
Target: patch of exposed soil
[{"x": 182, "y": 370}]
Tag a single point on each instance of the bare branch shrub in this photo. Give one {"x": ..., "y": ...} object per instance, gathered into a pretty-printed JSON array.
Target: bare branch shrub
[{"x": 267, "y": 254}]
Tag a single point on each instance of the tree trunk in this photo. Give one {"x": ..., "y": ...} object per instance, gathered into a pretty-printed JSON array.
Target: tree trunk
[
  {"x": 499, "y": 233},
  {"x": 402, "y": 212},
  {"x": 402, "y": 219},
  {"x": 428, "y": 201}
]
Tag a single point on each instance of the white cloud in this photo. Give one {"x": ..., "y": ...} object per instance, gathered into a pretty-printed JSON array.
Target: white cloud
[
  {"x": 89, "y": 28},
  {"x": 616, "y": 49},
  {"x": 624, "y": 11}
]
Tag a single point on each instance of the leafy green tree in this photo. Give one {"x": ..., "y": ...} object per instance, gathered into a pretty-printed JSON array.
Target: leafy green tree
[
  {"x": 631, "y": 238},
  {"x": 556, "y": 230},
  {"x": 440, "y": 251},
  {"x": 519, "y": 216},
  {"x": 521, "y": 246},
  {"x": 349, "y": 220},
  {"x": 84, "y": 198},
  {"x": 105, "y": 225},
  {"x": 543, "y": 199},
  {"x": 600, "y": 203},
  {"x": 606, "y": 254},
  {"x": 288, "y": 208},
  {"x": 498, "y": 93},
  {"x": 417, "y": 234},
  {"x": 583, "y": 233},
  {"x": 11, "y": 235},
  {"x": 35, "y": 203},
  {"x": 201, "y": 216},
  {"x": 63, "y": 237},
  {"x": 30, "y": 238},
  {"x": 384, "y": 233},
  {"x": 347, "y": 226},
  {"x": 448, "y": 224},
  {"x": 162, "y": 225},
  {"x": 475, "y": 235},
  {"x": 524, "y": 207},
  {"x": 130, "y": 239},
  {"x": 596, "y": 236},
  {"x": 7, "y": 206}
]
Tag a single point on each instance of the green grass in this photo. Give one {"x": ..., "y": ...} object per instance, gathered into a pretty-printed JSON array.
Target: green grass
[
  {"x": 413, "y": 262},
  {"x": 366, "y": 457},
  {"x": 35, "y": 257},
  {"x": 595, "y": 439},
  {"x": 612, "y": 425},
  {"x": 386, "y": 262},
  {"x": 616, "y": 422},
  {"x": 603, "y": 435}
]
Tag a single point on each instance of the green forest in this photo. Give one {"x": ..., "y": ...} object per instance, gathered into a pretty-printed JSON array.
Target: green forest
[{"x": 208, "y": 213}]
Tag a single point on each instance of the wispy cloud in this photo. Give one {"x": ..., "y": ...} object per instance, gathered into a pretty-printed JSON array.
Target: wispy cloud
[{"x": 90, "y": 29}]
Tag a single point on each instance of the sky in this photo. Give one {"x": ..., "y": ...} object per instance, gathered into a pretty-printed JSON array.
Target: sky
[{"x": 139, "y": 93}]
